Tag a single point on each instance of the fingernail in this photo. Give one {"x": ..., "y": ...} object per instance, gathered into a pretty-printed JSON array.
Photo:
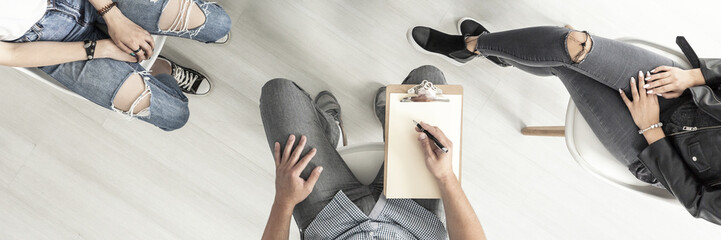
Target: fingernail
[
  {"x": 421, "y": 136},
  {"x": 647, "y": 85},
  {"x": 320, "y": 170},
  {"x": 653, "y": 71},
  {"x": 633, "y": 80},
  {"x": 658, "y": 94},
  {"x": 620, "y": 91},
  {"x": 648, "y": 73},
  {"x": 649, "y": 91},
  {"x": 640, "y": 73}
]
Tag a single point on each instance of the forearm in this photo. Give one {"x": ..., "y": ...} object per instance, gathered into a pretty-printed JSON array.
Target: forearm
[
  {"x": 98, "y": 4},
  {"x": 278, "y": 226},
  {"x": 461, "y": 220},
  {"x": 36, "y": 54},
  {"x": 111, "y": 15},
  {"x": 697, "y": 77}
]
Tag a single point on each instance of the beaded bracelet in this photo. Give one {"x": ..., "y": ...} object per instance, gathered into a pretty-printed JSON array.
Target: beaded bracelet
[
  {"x": 90, "y": 48},
  {"x": 107, "y": 8},
  {"x": 657, "y": 125}
]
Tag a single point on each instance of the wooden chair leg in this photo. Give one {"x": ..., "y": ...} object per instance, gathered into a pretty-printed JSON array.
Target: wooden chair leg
[{"x": 556, "y": 131}]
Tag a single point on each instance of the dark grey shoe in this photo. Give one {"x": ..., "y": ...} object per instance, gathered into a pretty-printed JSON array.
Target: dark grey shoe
[
  {"x": 329, "y": 104},
  {"x": 431, "y": 41},
  {"x": 470, "y": 27},
  {"x": 379, "y": 107}
]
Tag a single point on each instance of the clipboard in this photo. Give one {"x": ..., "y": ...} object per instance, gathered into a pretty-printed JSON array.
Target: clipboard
[{"x": 405, "y": 171}]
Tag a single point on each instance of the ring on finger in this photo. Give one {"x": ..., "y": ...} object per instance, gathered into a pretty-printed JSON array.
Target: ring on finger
[{"x": 139, "y": 49}]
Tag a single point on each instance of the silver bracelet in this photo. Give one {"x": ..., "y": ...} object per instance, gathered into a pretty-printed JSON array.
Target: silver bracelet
[{"x": 657, "y": 125}]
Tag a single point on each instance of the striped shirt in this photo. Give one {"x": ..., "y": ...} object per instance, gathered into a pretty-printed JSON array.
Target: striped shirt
[{"x": 389, "y": 219}]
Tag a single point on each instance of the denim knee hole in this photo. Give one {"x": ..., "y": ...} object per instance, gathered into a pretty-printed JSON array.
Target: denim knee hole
[{"x": 146, "y": 93}]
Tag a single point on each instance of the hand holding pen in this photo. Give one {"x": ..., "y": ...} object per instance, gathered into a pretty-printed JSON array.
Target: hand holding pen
[{"x": 433, "y": 140}]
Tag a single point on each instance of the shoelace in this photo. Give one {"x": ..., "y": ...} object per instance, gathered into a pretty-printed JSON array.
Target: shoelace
[{"x": 185, "y": 78}]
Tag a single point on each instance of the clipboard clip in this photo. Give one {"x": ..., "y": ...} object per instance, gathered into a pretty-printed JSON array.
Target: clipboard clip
[{"x": 425, "y": 92}]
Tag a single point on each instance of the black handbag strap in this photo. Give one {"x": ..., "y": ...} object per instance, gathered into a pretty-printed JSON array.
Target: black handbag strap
[{"x": 688, "y": 51}]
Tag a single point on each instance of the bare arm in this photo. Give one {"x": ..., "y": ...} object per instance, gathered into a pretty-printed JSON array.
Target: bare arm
[
  {"x": 98, "y": 4},
  {"x": 290, "y": 188},
  {"x": 461, "y": 220},
  {"x": 278, "y": 226},
  {"x": 36, "y": 54}
]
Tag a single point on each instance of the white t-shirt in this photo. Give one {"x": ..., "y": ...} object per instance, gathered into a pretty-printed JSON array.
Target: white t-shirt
[{"x": 18, "y": 16}]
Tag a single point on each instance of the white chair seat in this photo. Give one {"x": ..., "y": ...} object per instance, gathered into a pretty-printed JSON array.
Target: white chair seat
[
  {"x": 364, "y": 160},
  {"x": 590, "y": 154},
  {"x": 45, "y": 78}
]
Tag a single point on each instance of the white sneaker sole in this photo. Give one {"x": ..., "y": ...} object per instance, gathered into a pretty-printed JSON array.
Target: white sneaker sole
[
  {"x": 210, "y": 89},
  {"x": 415, "y": 45},
  {"x": 458, "y": 26}
]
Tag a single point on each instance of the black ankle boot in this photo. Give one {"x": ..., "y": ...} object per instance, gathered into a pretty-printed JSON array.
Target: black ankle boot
[{"x": 430, "y": 41}]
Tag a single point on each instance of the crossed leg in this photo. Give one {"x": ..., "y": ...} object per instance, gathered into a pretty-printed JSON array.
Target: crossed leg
[
  {"x": 180, "y": 15},
  {"x": 194, "y": 19},
  {"x": 592, "y": 68},
  {"x": 286, "y": 109}
]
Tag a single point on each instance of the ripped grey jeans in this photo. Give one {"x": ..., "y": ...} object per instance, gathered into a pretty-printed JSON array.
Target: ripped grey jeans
[
  {"x": 593, "y": 83},
  {"x": 98, "y": 80}
]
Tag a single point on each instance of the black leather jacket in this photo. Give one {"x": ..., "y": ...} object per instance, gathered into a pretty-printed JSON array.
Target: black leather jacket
[{"x": 688, "y": 163}]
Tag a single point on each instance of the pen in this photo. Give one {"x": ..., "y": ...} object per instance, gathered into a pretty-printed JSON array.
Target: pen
[{"x": 435, "y": 140}]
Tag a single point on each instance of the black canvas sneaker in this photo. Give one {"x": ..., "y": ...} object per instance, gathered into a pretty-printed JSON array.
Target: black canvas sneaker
[{"x": 189, "y": 80}]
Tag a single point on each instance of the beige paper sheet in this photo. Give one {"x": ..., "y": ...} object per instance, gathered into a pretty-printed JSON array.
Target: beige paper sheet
[{"x": 406, "y": 173}]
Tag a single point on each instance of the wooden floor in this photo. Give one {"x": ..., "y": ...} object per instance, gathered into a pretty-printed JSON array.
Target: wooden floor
[{"x": 72, "y": 170}]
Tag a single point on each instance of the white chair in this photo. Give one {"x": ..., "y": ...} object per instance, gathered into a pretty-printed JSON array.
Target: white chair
[
  {"x": 364, "y": 160},
  {"x": 587, "y": 149},
  {"x": 41, "y": 76}
]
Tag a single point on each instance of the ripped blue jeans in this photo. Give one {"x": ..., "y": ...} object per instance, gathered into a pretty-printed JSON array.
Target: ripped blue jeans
[{"x": 99, "y": 80}]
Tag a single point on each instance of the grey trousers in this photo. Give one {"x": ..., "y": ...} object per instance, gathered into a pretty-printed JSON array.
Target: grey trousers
[
  {"x": 287, "y": 109},
  {"x": 593, "y": 83}
]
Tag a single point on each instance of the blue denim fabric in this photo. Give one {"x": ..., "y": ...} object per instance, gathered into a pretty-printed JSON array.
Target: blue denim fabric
[{"x": 98, "y": 80}]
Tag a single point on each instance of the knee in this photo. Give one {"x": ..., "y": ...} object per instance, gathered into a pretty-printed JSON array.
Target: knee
[
  {"x": 430, "y": 73},
  {"x": 578, "y": 45},
  {"x": 133, "y": 96},
  {"x": 218, "y": 23},
  {"x": 223, "y": 22},
  {"x": 174, "y": 118},
  {"x": 281, "y": 88},
  {"x": 428, "y": 68}
]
